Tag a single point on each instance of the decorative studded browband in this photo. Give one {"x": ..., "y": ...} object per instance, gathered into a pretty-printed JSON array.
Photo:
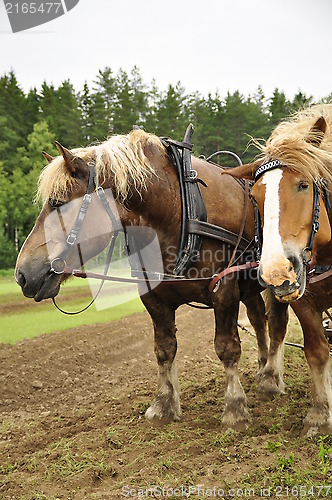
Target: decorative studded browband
[{"x": 269, "y": 165}]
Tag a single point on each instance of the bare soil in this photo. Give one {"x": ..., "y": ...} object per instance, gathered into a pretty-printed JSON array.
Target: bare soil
[{"x": 72, "y": 420}]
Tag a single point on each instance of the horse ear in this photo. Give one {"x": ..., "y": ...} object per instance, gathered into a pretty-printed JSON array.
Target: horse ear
[
  {"x": 67, "y": 156},
  {"x": 317, "y": 131},
  {"x": 48, "y": 157},
  {"x": 246, "y": 171}
]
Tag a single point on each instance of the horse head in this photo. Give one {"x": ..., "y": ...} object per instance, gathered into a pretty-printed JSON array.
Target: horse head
[
  {"x": 65, "y": 180},
  {"x": 292, "y": 204},
  {"x": 88, "y": 194}
]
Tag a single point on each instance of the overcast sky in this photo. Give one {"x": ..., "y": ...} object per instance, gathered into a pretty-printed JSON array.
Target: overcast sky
[{"x": 207, "y": 45}]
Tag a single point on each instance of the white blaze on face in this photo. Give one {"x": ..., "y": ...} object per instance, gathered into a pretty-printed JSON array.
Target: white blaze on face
[{"x": 272, "y": 245}]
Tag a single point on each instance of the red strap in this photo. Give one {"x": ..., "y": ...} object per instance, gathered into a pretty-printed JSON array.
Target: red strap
[{"x": 230, "y": 270}]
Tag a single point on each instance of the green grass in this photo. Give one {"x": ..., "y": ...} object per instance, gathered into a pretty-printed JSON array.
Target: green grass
[
  {"x": 29, "y": 322},
  {"x": 7, "y": 272}
]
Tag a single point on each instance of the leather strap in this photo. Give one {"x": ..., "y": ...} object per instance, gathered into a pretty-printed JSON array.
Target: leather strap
[
  {"x": 213, "y": 286},
  {"x": 320, "y": 277},
  {"x": 217, "y": 233}
]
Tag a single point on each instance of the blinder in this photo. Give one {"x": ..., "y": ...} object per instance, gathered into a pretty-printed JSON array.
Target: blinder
[{"x": 58, "y": 265}]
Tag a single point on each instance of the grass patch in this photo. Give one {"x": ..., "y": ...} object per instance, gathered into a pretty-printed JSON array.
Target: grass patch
[
  {"x": 34, "y": 322},
  {"x": 7, "y": 272},
  {"x": 28, "y": 322}
]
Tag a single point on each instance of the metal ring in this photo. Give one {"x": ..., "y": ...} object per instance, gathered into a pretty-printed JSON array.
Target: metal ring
[{"x": 55, "y": 268}]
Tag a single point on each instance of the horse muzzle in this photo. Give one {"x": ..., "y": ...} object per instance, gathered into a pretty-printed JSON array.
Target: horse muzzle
[
  {"x": 287, "y": 281},
  {"x": 38, "y": 285}
]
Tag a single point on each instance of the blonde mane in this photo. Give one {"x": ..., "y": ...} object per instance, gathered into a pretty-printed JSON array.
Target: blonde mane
[
  {"x": 292, "y": 143},
  {"x": 120, "y": 159}
]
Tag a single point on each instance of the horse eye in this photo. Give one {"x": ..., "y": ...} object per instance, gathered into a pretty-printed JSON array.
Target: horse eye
[{"x": 303, "y": 186}]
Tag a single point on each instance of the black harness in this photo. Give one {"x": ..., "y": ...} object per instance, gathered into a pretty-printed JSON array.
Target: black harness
[
  {"x": 192, "y": 202},
  {"x": 194, "y": 225},
  {"x": 318, "y": 187}
]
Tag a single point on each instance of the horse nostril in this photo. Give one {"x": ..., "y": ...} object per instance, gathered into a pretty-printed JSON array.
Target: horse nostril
[
  {"x": 295, "y": 264},
  {"x": 20, "y": 278}
]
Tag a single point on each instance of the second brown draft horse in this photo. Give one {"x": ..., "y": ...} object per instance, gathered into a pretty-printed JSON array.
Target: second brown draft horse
[{"x": 292, "y": 193}]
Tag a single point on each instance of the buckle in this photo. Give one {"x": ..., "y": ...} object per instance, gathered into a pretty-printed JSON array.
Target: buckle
[
  {"x": 71, "y": 239},
  {"x": 87, "y": 197},
  {"x": 191, "y": 177}
]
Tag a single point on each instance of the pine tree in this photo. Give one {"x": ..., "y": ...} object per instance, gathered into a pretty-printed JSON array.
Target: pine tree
[
  {"x": 106, "y": 88},
  {"x": 9, "y": 139},
  {"x": 21, "y": 211},
  {"x": 170, "y": 116},
  {"x": 48, "y": 105},
  {"x": 7, "y": 252},
  {"x": 139, "y": 97},
  {"x": 279, "y": 107},
  {"x": 301, "y": 101},
  {"x": 68, "y": 124},
  {"x": 85, "y": 105},
  {"x": 123, "y": 106},
  {"x": 32, "y": 109},
  {"x": 13, "y": 128},
  {"x": 153, "y": 97},
  {"x": 99, "y": 129}
]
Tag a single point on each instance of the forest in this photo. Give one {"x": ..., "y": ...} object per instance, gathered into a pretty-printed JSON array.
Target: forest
[{"x": 115, "y": 102}]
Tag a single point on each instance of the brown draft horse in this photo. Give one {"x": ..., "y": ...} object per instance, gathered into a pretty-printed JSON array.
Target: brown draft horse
[
  {"x": 142, "y": 177},
  {"x": 292, "y": 191}
]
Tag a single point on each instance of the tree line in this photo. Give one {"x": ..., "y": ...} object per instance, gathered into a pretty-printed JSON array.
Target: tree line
[{"x": 115, "y": 102}]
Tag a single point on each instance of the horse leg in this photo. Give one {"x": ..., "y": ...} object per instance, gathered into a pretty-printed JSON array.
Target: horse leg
[
  {"x": 228, "y": 348},
  {"x": 166, "y": 405},
  {"x": 270, "y": 378},
  {"x": 256, "y": 315},
  {"x": 316, "y": 350}
]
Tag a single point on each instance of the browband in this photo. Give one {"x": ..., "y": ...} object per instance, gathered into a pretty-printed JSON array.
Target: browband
[{"x": 269, "y": 165}]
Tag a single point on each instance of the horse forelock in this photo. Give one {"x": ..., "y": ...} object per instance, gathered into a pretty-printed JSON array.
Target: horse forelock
[
  {"x": 290, "y": 144},
  {"x": 121, "y": 161}
]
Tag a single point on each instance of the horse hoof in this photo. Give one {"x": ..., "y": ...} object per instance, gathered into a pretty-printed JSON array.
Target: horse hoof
[
  {"x": 267, "y": 393},
  {"x": 269, "y": 386},
  {"x": 236, "y": 416},
  {"x": 311, "y": 431},
  {"x": 317, "y": 421},
  {"x": 158, "y": 415}
]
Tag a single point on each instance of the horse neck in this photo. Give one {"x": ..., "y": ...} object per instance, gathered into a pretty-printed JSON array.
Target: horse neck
[{"x": 157, "y": 206}]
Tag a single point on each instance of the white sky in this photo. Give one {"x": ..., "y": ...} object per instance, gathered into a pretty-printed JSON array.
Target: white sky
[{"x": 206, "y": 44}]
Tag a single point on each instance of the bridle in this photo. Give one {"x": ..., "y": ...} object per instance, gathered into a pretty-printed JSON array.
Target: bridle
[
  {"x": 319, "y": 186},
  {"x": 59, "y": 265}
]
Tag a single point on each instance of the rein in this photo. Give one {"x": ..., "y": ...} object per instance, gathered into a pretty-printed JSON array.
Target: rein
[{"x": 162, "y": 278}]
